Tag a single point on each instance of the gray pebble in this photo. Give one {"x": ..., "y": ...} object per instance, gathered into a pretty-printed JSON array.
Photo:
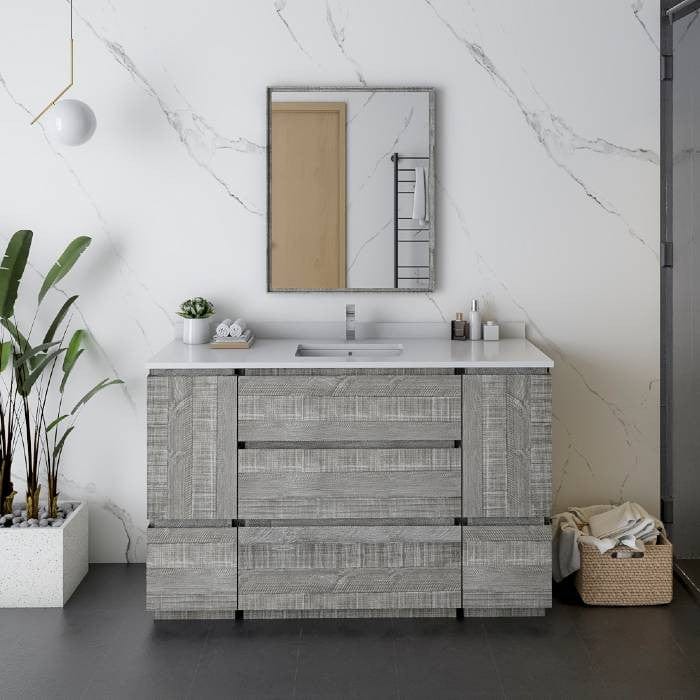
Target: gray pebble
[
  {"x": 56, "y": 523},
  {"x": 23, "y": 524},
  {"x": 16, "y": 520},
  {"x": 16, "y": 511},
  {"x": 43, "y": 522},
  {"x": 33, "y": 521},
  {"x": 23, "y": 513}
]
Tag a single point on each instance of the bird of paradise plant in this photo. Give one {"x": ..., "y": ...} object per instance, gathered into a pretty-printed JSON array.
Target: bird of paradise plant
[{"x": 34, "y": 368}]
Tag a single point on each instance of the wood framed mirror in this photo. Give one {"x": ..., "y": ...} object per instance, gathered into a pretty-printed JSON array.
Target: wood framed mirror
[{"x": 351, "y": 193}]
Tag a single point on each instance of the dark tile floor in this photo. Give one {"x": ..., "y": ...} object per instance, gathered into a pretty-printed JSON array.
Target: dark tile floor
[
  {"x": 688, "y": 570},
  {"x": 104, "y": 645}
]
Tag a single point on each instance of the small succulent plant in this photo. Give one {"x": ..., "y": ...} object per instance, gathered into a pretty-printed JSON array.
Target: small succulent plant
[{"x": 196, "y": 308}]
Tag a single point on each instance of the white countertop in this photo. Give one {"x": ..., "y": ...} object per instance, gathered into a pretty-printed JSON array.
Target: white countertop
[{"x": 417, "y": 352}]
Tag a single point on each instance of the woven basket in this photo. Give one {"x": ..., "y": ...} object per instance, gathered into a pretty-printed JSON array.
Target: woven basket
[{"x": 616, "y": 578}]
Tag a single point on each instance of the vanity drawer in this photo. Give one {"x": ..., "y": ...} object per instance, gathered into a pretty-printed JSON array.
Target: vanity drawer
[
  {"x": 191, "y": 447},
  {"x": 507, "y": 567},
  {"x": 507, "y": 445},
  {"x": 359, "y": 407},
  {"x": 191, "y": 569},
  {"x": 325, "y": 568},
  {"x": 349, "y": 483}
]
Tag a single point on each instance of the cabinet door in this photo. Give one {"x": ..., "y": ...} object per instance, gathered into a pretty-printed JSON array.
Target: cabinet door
[
  {"x": 507, "y": 567},
  {"x": 341, "y": 568},
  {"x": 283, "y": 484},
  {"x": 192, "y": 445},
  {"x": 507, "y": 445},
  {"x": 360, "y": 407},
  {"x": 191, "y": 569}
]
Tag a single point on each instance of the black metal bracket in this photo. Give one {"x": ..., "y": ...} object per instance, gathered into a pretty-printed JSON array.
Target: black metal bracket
[
  {"x": 666, "y": 254},
  {"x": 666, "y": 66},
  {"x": 667, "y": 511}
]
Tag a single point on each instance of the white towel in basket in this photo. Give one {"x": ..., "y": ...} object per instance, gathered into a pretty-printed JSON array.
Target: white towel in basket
[{"x": 628, "y": 524}]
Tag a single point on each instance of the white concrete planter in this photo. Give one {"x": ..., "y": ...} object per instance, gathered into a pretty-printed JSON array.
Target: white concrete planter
[
  {"x": 196, "y": 331},
  {"x": 42, "y": 566}
]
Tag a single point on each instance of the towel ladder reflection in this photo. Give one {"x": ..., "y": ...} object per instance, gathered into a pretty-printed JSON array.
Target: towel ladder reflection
[{"x": 401, "y": 179}]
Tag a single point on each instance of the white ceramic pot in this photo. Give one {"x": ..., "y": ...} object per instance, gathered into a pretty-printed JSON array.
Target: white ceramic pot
[
  {"x": 196, "y": 331},
  {"x": 42, "y": 566}
]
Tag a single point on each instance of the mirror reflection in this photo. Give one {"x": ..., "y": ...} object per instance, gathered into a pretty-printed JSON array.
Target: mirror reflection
[{"x": 350, "y": 189}]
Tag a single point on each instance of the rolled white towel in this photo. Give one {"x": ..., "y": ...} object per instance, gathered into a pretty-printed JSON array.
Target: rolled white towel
[
  {"x": 237, "y": 328},
  {"x": 224, "y": 328},
  {"x": 247, "y": 335}
]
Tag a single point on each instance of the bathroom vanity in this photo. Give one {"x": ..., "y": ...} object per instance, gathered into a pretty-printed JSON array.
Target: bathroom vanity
[{"x": 292, "y": 483}]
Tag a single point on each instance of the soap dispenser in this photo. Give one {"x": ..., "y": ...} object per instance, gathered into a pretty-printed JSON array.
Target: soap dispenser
[
  {"x": 459, "y": 327},
  {"x": 475, "y": 321}
]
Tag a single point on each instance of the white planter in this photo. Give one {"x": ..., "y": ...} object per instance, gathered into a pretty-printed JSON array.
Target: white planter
[
  {"x": 196, "y": 331},
  {"x": 42, "y": 566}
]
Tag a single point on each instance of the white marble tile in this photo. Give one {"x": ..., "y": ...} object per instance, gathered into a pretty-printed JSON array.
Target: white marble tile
[{"x": 548, "y": 182}]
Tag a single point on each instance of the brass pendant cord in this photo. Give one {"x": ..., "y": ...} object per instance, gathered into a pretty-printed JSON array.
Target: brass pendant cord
[{"x": 70, "y": 84}]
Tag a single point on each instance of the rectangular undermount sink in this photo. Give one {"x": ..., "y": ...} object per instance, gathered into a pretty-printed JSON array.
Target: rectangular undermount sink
[{"x": 349, "y": 350}]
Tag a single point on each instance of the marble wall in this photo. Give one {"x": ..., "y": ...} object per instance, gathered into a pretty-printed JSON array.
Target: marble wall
[{"x": 548, "y": 197}]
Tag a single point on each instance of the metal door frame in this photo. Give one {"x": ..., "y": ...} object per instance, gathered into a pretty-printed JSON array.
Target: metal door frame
[{"x": 671, "y": 10}]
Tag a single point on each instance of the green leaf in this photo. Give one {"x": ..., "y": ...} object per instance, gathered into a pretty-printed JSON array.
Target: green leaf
[
  {"x": 66, "y": 373},
  {"x": 73, "y": 353},
  {"x": 59, "y": 317},
  {"x": 103, "y": 384},
  {"x": 5, "y": 354},
  {"x": 73, "y": 348},
  {"x": 27, "y": 381},
  {"x": 22, "y": 342},
  {"x": 63, "y": 265},
  {"x": 55, "y": 422},
  {"x": 58, "y": 448},
  {"x": 30, "y": 353},
  {"x": 12, "y": 269}
]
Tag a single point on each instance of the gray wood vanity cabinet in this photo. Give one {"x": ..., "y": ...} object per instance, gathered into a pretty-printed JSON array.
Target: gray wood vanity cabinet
[{"x": 348, "y": 492}]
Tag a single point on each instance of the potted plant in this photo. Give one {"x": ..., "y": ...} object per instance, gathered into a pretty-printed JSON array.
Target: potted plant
[
  {"x": 196, "y": 328},
  {"x": 45, "y": 546}
]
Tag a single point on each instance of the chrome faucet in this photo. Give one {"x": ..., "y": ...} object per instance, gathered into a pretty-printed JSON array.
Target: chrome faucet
[{"x": 349, "y": 322}]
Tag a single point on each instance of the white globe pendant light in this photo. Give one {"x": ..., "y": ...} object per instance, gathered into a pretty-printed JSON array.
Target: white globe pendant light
[{"x": 70, "y": 122}]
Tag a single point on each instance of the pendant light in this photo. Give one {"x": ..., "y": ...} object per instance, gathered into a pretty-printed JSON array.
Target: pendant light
[{"x": 71, "y": 122}]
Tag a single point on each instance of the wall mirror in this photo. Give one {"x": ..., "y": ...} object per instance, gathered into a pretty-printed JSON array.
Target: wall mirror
[{"x": 351, "y": 189}]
